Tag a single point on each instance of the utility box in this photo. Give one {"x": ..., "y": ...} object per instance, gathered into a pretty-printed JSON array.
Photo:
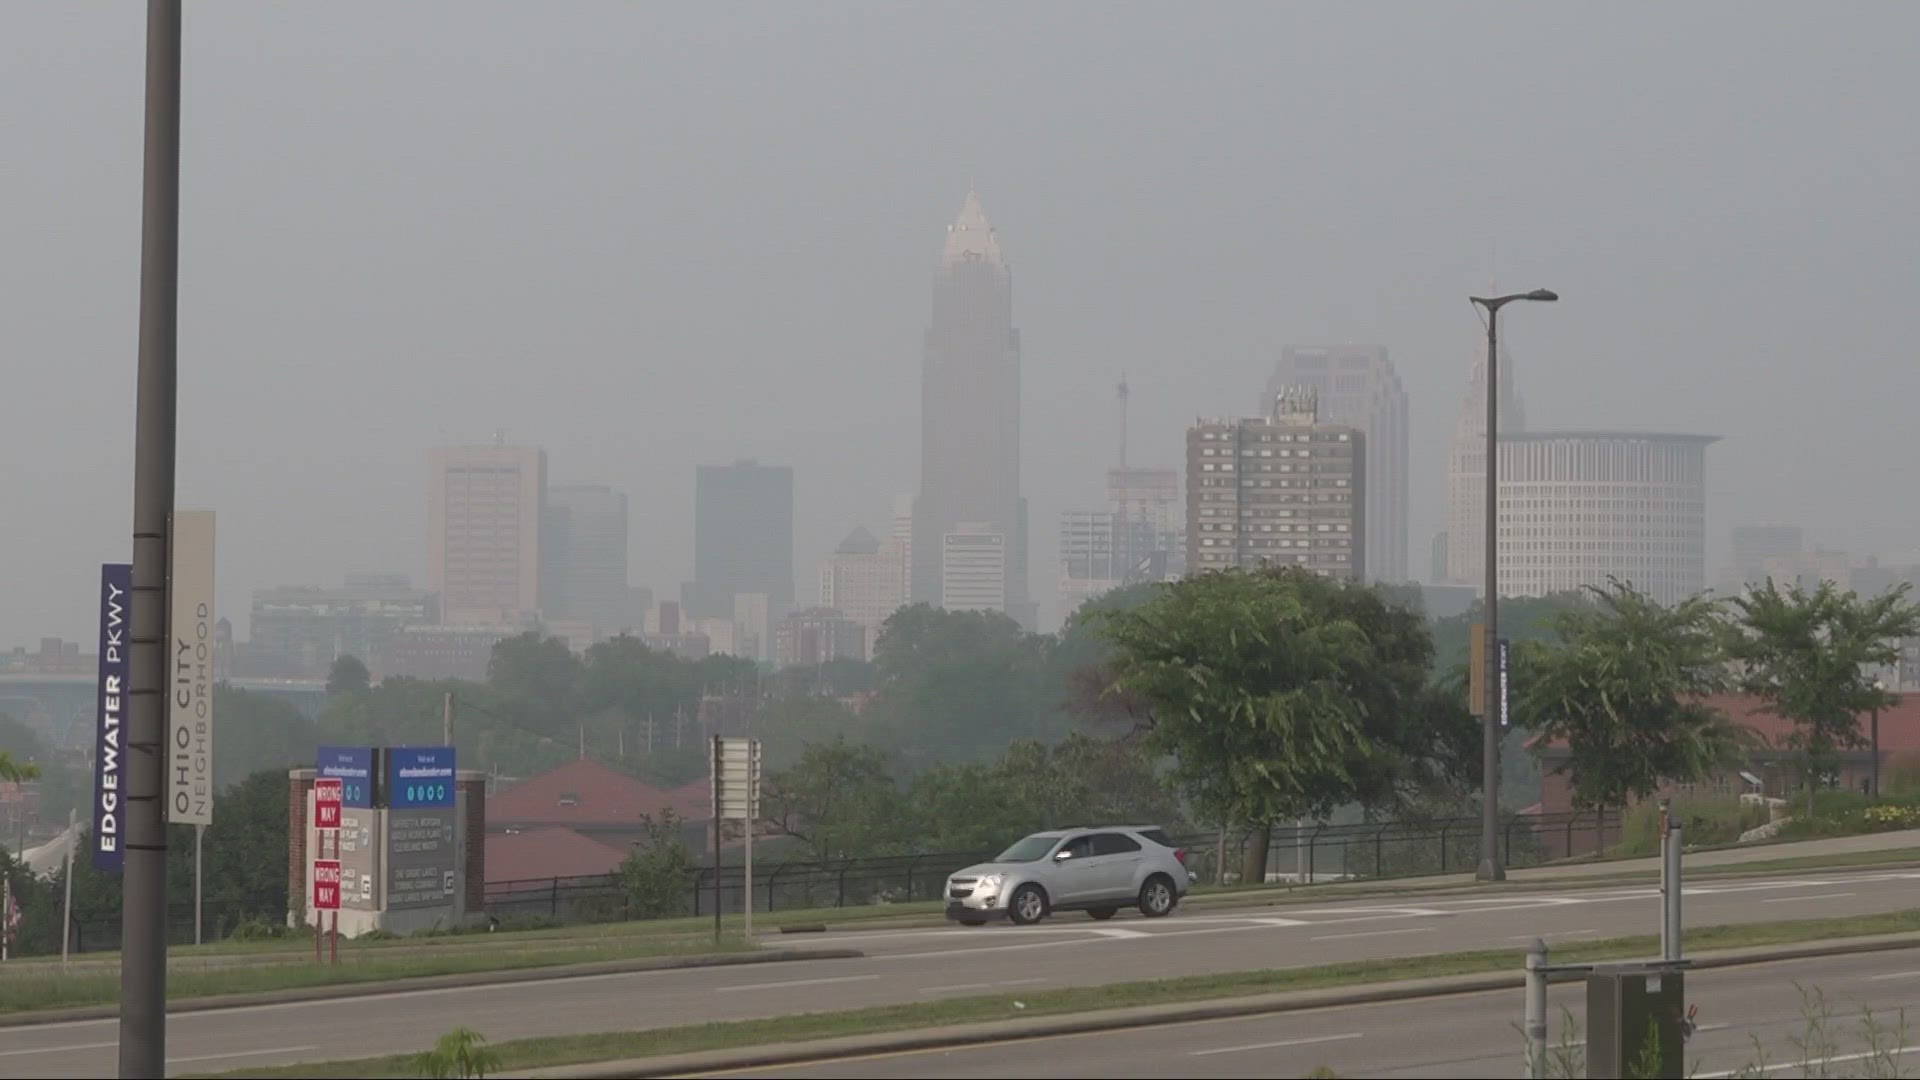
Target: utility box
[{"x": 1635, "y": 1019}]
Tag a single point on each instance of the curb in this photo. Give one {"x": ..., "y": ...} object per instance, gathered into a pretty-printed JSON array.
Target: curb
[
  {"x": 431, "y": 982},
  {"x": 963, "y": 1035}
]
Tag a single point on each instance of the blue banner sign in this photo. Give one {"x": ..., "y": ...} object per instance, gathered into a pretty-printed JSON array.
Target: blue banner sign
[
  {"x": 109, "y": 743},
  {"x": 419, "y": 776},
  {"x": 353, "y": 767},
  {"x": 1506, "y": 680}
]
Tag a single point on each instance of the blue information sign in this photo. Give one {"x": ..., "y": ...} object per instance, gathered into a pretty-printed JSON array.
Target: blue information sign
[
  {"x": 419, "y": 776},
  {"x": 109, "y": 743},
  {"x": 353, "y": 767}
]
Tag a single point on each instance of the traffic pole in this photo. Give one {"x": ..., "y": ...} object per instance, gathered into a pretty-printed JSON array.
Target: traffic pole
[{"x": 143, "y": 920}]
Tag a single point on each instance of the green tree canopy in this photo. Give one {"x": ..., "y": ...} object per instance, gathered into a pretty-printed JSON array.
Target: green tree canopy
[
  {"x": 348, "y": 675},
  {"x": 1623, "y": 685}
]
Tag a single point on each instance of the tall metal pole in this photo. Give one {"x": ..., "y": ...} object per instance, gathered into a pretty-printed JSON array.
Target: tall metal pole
[
  {"x": 143, "y": 956},
  {"x": 199, "y": 845},
  {"x": 1490, "y": 868},
  {"x": 1536, "y": 1015},
  {"x": 66, "y": 902}
]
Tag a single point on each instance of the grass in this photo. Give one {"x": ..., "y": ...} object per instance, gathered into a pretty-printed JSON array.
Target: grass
[
  {"x": 521, "y": 1054},
  {"x": 46, "y": 987}
]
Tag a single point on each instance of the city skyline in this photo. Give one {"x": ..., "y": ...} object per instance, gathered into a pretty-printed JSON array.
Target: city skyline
[{"x": 747, "y": 276}]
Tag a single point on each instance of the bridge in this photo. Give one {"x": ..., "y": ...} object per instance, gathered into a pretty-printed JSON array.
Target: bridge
[{"x": 61, "y": 707}]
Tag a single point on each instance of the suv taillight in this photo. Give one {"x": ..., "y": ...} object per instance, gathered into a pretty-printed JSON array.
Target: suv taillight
[{"x": 1181, "y": 854}]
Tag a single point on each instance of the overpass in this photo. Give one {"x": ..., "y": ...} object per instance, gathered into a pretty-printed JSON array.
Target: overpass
[{"x": 61, "y": 707}]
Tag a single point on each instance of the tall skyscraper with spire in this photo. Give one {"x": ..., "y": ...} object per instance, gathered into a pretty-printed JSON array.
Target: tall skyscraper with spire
[
  {"x": 1467, "y": 467},
  {"x": 970, "y": 415}
]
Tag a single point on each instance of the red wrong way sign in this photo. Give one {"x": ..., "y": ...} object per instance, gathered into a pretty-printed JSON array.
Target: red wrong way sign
[
  {"x": 326, "y": 884},
  {"x": 327, "y": 798}
]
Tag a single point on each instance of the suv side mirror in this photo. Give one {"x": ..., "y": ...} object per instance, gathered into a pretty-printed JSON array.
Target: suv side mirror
[{"x": 1063, "y": 855}]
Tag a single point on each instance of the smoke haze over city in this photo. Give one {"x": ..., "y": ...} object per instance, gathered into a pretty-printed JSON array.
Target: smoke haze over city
[{"x": 649, "y": 237}]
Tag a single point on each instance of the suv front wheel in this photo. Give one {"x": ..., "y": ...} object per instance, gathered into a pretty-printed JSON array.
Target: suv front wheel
[
  {"x": 1156, "y": 897},
  {"x": 1027, "y": 906}
]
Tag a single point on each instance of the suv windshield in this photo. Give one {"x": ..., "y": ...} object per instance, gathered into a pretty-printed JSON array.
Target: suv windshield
[{"x": 1028, "y": 850}]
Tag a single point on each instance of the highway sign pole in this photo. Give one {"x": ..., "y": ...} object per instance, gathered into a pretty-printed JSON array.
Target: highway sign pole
[
  {"x": 143, "y": 920},
  {"x": 66, "y": 902},
  {"x": 715, "y": 754},
  {"x": 199, "y": 843}
]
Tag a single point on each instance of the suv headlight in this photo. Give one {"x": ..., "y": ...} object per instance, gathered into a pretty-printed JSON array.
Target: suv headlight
[{"x": 990, "y": 883}]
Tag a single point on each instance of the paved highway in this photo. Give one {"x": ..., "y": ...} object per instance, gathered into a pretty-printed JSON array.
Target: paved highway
[
  {"x": 906, "y": 965},
  {"x": 1467, "y": 1035}
]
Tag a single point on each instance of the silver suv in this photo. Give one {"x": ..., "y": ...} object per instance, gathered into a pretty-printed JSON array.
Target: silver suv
[{"x": 1098, "y": 871}]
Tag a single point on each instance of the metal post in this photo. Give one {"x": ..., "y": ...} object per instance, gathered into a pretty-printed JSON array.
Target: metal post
[
  {"x": 1537, "y": 1009},
  {"x": 1875, "y": 737},
  {"x": 143, "y": 956},
  {"x": 713, "y": 752},
  {"x": 66, "y": 904},
  {"x": 446, "y": 719},
  {"x": 1671, "y": 890},
  {"x": 199, "y": 842},
  {"x": 1490, "y": 868},
  {"x": 746, "y": 885}
]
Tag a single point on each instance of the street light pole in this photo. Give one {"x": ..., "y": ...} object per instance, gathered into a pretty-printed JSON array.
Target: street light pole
[
  {"x": 143, "y": 956},
  {"x": 1879, "y": 689},
  {"x": 1490, "y": 863}
]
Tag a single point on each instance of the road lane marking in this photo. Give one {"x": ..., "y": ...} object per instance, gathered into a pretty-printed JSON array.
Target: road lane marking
[
  {"x": 1374, "y": 933},
  {"x": 1894, "y": 975},
  {"x": 58, "y": 1049},
  {"x": 792, "y": 982},
  {"x": 970, "y": 986},
  {"x": 1551, "y": 934},
  {"x": 1804, "y": 899},
  {"x": 1121, "y": 932},
  {"x": 1275, "y": 1045},
  {"x": 241, "y": 1053},
  {"x": 1764, "y": 1070}
]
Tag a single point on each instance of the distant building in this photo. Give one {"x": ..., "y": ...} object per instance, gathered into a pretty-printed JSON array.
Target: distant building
[
  {"x": 1281, "y": 489},
  {"x": 1437, "y": 559},
  {"x": 1578, "y": 508},
  {"x": 970, "y": 418},
  {"x": 817, "y": 635},
  {"x": 298, "y": 631},
  {"x": 486, "y": 510},
  {"x": 54, "y": 657},
  {"x": 1759, "y": 549},
  {"x": 752, "y": 630},
  {"x": 864, "y": 580},
  {"x": 742, "y": 537},
  {"x": 973, "y": 568},
  {"x": 1358, "y": 386},
  {"x": 444, "y": 652},
  {"x": 585, "y": 556}
]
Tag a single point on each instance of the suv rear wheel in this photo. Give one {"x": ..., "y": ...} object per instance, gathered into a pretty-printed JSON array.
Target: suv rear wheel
[
  {"x": 1027, "y": 906},
  {"x": 1156, "y": 897}
]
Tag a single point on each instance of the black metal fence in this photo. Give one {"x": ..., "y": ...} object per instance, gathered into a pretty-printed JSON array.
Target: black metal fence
[{"x": 1307, "y": 854}]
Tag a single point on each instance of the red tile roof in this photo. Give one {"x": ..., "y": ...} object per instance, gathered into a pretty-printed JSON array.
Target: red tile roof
[
  {"x": 548, "y": 853},
  {"x": 587, "y": 793}
]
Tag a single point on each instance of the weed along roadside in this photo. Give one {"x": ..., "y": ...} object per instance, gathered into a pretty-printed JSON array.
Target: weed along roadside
[{"x": 806, "y": 1036}]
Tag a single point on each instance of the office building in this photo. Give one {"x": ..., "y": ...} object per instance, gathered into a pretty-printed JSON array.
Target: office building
[
  {"x": 1580, "y": 507},
  {"x": 1103, "y": 550},
  {"x": 973, "y": 568},
  {"x": 864, "y": 580},
  {"x": 298, "y": 631},
  {"x": 1282, "y": 489},
  {"x": 585, "y": 556},
  {"x": 817, "y": 635},
  {"x": 1759, "y": 550},
  {"x": 742, "y": 537},
  {"x": 1358, "y": 387},
  {"x": 970, "y": 416},
  {"x": 486, "y": 508}
]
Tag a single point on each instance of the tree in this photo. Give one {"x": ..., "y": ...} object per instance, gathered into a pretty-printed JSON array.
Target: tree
[
  {"x": 660, "y": 872},
  {"x": 838, "y": 800},
  {"x": 961, "y": 685},
  {"x": 1809, "y": 656},
  {"x": 1624, "y": 686},
  {"x": 1281, "y": 693},
  {"x": 16, "y": 770},
  {"x": 1522, "y": 619},
  {"x": 348, "y": 676},
  {"x": 259, "y": 731},
  {"x": 541, "y": 676}
]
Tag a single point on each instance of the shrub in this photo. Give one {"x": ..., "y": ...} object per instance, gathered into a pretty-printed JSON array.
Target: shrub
[{"x": 1715, "y": 819}]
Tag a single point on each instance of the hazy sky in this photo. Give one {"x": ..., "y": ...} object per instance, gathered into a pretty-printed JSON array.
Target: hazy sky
[{"x": 650, "y": 236}]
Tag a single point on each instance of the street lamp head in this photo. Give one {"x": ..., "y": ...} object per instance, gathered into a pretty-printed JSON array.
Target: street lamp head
[{"x": 1543, "y": 294}]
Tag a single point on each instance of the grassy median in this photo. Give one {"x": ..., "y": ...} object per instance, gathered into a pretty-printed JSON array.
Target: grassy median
[{"x": 523, "y": 1054}]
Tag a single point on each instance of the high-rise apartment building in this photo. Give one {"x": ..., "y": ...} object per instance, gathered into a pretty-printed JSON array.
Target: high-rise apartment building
[
  {"x": 970, "y": 414},
  {"x": 742, "y": 537},
  {"x": 1579, "y": 507},
  {"x": 1467, "y": 470},
  {"x": 1358, "y": 387},
  {"x": 585, "y": 556},
  {"x": 864, "y": 580},
  {"x": 973, "y": 568},
  {"x": 485, "y": 511},
  {"x": 1282, "y": 489}
]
